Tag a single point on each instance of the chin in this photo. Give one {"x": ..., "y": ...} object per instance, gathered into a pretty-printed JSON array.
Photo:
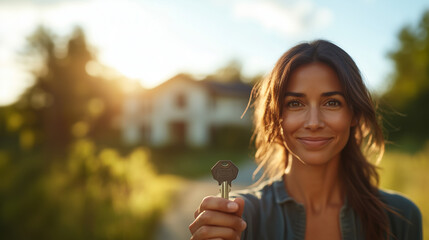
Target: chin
[{"x": 316, "y": 159}]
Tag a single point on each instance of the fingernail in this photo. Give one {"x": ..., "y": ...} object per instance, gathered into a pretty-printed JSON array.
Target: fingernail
[
  {"x": 243, "y": 224},
  {"x": 232, "y": 205}
]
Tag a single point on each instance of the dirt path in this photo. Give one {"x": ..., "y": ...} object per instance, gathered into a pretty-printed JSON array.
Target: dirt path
[{"x": 175, "y": 224}]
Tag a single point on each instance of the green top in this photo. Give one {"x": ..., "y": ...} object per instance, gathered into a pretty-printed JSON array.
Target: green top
[{"x": 272, "y": 214}]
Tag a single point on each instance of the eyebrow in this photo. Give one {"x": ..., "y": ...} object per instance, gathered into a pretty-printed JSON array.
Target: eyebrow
[
  {"x": 328, "y": 94},
  {"x": 325, "y": 94}
]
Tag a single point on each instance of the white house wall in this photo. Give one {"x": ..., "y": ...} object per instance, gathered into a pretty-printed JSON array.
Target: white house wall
[
  {"x": 193, "y": 114},
  {"x": 148, "y": 116},
  {"x": 228, "y": 110},
  {"x": 198, "y": 132}
]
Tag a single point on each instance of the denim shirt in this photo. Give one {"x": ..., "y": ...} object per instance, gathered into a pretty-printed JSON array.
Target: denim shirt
[{"x": 272, "y": 214}]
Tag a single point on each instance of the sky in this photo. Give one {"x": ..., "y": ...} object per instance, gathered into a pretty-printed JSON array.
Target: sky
[{"x": 153, "y": 40}]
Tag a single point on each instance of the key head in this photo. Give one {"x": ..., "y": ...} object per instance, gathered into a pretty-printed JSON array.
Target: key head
[{"x": 224, "y": 170}]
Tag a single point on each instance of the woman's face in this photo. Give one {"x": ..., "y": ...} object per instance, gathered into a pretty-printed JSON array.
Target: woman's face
[{"x": 316, "y": 118}]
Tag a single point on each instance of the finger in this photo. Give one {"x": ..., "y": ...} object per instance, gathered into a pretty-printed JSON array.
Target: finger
[
  {"x": 215, "y": 218},
  {"x": 217, "y": 204},
  {"x": 209, "y": 232},
  {"x": 240, "y": 203}
]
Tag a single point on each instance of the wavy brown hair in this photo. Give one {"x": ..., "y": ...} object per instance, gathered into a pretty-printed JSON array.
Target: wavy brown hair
[{"x": 366, "y": 139}]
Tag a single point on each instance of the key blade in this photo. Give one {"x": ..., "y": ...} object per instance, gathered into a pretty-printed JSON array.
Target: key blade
[{"x": 224, "y": 190}]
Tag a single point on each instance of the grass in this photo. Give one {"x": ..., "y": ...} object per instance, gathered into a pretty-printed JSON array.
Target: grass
[
  {"x": 408, "y": 174},
  {"x": 194, "y": 163}
]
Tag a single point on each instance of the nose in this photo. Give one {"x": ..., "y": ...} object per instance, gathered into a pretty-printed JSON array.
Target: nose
[{"x": 314, "y": 119}]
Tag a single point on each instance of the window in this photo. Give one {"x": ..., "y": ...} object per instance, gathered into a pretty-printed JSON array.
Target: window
[{"x": 181, "y": 100}]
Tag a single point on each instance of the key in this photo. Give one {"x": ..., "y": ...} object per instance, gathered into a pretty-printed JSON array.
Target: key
[{"x": 224, "y": 171}]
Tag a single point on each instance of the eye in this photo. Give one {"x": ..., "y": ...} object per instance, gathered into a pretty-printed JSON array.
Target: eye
[
  {"x": 333, "y": 103},
  {"x": 294, "y": 104}
]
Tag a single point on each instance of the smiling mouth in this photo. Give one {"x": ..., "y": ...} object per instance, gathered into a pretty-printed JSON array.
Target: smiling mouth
[{"x": 314, "y": 142}]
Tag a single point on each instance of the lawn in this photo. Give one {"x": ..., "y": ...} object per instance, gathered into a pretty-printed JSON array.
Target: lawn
[
  {"x": 408, "y": 174},
  {"x": 194, "y": 163}
]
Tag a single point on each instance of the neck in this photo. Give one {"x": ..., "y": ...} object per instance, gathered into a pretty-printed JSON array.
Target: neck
[{"x": 318, "y": 187}]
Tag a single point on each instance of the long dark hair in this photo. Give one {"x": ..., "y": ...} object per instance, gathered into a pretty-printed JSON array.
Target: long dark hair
[{"x": 366, "y": 139}]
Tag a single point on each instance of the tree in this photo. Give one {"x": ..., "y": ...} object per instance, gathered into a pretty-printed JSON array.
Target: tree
[
  {"x": 409, "y": 94},
  {"x": 88, "y": 191},
  {"x": 65, "y": 102},
  {"x": 231, "y": 72}
]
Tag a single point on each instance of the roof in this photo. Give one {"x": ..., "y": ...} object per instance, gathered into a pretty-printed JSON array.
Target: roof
[
  {"x": 238, "y": 89},
  {"x": 228, "y": 88}
]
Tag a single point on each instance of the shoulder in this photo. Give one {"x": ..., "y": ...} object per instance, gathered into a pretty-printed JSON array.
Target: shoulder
[
  {"x": 405, "y": 218},
  {"x": 399, "y": 203},
  {"x": 257, "y": 196}
]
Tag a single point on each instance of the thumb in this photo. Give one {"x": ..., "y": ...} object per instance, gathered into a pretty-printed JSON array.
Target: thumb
[{"x": 240, "y": 203}]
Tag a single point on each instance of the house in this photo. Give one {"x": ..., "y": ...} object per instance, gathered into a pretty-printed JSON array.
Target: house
[{"x": 184, "y": 111}]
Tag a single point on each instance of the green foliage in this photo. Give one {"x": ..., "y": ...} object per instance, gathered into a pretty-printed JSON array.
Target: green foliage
[
  {"x": 65, "y": 102},
  {"x": 228, "y": 142},
  {"x": 55, "y": 183},
  {"x": 231, "y": 137},
  {"x": 409, "y": 93},
  {"x": 194, "y": 163},
  {"x": 407, "y": 173},
  {"x": 232, "y": 72},
  {"x": 93, "y": 194}
]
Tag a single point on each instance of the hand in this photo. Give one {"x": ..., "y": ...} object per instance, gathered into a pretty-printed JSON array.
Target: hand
[{"x": 218, "y": 218}]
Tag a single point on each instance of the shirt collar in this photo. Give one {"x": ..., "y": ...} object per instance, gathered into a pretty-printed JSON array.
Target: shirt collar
[
  {"x": 283, "y": 196},
  {"x": 280, "y": 192}
]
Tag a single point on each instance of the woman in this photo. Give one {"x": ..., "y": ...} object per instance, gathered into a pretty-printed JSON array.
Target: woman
[{"x": 315, "y": 128}]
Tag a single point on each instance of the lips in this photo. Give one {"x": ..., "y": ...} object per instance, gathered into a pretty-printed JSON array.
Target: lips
[{"x": 314, "y": 142}]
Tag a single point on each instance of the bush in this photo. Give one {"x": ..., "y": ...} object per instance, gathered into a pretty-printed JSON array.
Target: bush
[
  {"x": 90, "y": 195},
  {"x": 231, "y": 137}
]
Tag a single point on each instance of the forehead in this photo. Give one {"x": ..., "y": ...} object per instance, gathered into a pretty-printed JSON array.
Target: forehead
[{"x": 317, "y": 76}]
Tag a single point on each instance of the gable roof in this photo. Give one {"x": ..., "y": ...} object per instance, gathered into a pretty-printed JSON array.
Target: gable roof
[
  {"x": 228, "y": 88},
  {"x": 238, "y": 89}
]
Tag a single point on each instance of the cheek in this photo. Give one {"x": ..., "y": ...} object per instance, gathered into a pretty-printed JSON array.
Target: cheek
[
  {"x": 291, "y": 122},
  {"x": 341, "y": 124}
]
